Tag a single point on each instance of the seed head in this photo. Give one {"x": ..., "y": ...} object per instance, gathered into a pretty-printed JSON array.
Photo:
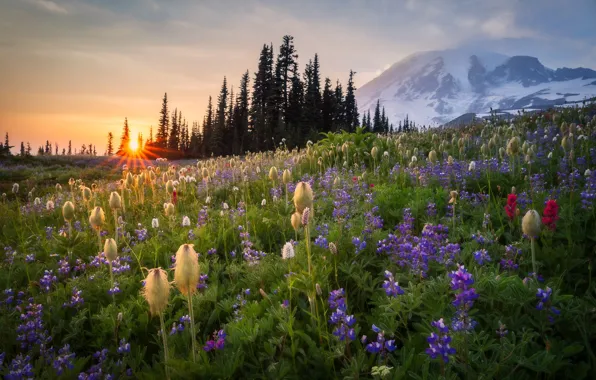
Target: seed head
[
  {"x": 186, "y": 271},
  {"x": 333, "y": 248},
  {"x": 273, "y": 174},
  {"x": 110, "y": 249},
  {"x": 15, "y": 188},
  {"x": 531, "y": 224},
  {"x": 286, "y": 177},
  {"x": 303, "y": 196},
  {"x": 170, "y": 186},
  {"x": 50, "y": 205},
  {"x": 86, "y": 193},
  {"x": 169, "y": 209},
  {"x": 58, "y": 187},
  {"x": 432, "y": 156},
  {"x": 115, "y": 201},
  {"x": 296, "y": 220},
  {"x": 97, "y": 218},
  {"x": 68, "y": 210},
  {"x": 157, "y": 290}
]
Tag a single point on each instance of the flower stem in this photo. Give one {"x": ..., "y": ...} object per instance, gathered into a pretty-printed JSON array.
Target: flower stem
[
  {"x": 533, "y": 257},
  {"x": 192, "y": 327},
  {"x": 165, "y": 345}
]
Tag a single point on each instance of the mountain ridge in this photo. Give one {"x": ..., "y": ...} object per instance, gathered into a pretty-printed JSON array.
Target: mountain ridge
[{"x": 434, "y": 87}]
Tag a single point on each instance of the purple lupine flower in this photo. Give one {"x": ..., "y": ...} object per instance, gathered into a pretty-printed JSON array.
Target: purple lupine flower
[
  {"x": 322, "y": 242},
  {"x": 48, "y": 279},
  {"x": 124, "y": 347},
  {"x": 202, "y": 284},
  {"x": 64, "y": 267},
  {"x": 482, "y": 256},
  {"x": 64, "y": 360},
  {"x": 508, "y": 262},
  {"x": 431, "y": 210},
  {"x": 340, "y": 318},
  {"x": 545, "y": 302},
  {"x": 76, "y": 299},
  {"x": 439, "y": 344},
  {"x": 115, "y": 289},
  {"x": 381, "y": 345},
  {"x": 30, "y": 258},
  {"x": 392, "y": 288},
  {"x": 461, "y": 282},
  {"x": 212, "y": 251},
  {"x": 502, "y": 331},
  {"x": 31, "y": 332},
  {"x": 359, "y": 245},
  {"x": 20, "y": 368},
  {"x": 217, "y": 342}
]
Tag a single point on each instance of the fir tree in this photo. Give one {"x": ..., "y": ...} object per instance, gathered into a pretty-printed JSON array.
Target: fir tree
[
  {"x": 220, "y": 119},
  {"x": 22, "y": 149},
  {"x": 139, "y": 142},
  {"x": 260, "y": 98},
  {"x": 69, "y": 147},
  {"x": 28, "y": 149},
  {"x": 110, "y": 144},
  {"x": 208, "y": 130},
  {"x": 377, "y": 123},
  {"x": 163, "y": 126},
  {"x": 294, "y": 113},
  {"x": 351, "y": 108},
  {"x": 328, "y": 107},
  {"x": 340, "y": 111},
  {"x": 241, "y": 116},
  {"x": 124, "y": 148}
]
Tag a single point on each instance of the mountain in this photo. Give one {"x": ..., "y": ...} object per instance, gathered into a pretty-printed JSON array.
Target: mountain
[{"x": 435, "y": 87}]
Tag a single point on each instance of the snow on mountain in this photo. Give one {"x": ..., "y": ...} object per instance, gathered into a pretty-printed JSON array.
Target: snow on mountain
[{"x": 435, "y": 87}]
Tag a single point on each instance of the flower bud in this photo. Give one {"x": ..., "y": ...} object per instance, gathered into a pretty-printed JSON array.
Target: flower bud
[
  {"x": 110, "y": 249},
  {"x": 374, "y": 152},
  {"x": 186, "y": 271},
  {"x": 86, "y": 193},
  {"x": 306, "y": 216},
  {"x": 68, "y": 210},
  {"x": 286, "y": 177},
  {"x": 303, "y": 196},
  {"x": 50, "y": 205},
  {"x": 567, "y": 144},
  {"x": 432, "y": 156},
  {"x": 129, "y": 179},
  {"x": 157, "y": 291},
  {"x": 170, "y": 186},
  {"x": 58, "y": 187},
  {"x": 169, "y": 209},
  {"x": 450, "y": 160},
  {"x": 472, "y": 166},
  {"x": 37, "y": 201},
  {"x": 531, "y": 224},
  {"x": 273, "y": 174},
  {"x": 115, "y": 201},
  {"x": 296, "y": 220},
  {"x": 587, "y": 173},
  {"x": 97, "y": 218}
]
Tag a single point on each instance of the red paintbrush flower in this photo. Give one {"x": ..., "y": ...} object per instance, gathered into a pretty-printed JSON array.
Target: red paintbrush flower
[
  {"x": 354, "y": 179},
  {"x": 372, "y": 185},
  {"x": 511, "y": 206},
  {"x": 550, "y": 215},
  {"x": 174, "y": 197}
]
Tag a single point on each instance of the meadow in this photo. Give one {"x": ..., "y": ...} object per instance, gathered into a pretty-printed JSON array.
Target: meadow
[{"x": 455, "y": 253}]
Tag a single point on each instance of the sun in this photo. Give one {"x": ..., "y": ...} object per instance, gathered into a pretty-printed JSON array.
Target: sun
[{"x": 133, "y": 145}]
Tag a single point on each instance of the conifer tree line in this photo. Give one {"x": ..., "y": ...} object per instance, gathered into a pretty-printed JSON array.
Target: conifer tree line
[
  {"x": 279, "y": 103},
  {"x": 48, "y": 149}
]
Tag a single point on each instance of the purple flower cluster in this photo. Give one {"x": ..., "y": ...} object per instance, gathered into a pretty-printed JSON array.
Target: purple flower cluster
[
  {"x": 381, "y": 345},
  {"x": 545, "y": 303},
  {"x": 202, "y": 282},
  {"x": 431, "y": 210},
  {"x": 63, "y": 267},
  {"x": 339, "y": 317},
  {"x": 10, "y": 254},
  {"x": 461, "y": 282},
  {"x": 251, "y": 255},
  {"x": 217, "y": 342},
  {"x": 240, "y": 301},
  {"x": 76, "y": 299},
  {"x": 47, "y": 280},
  {"x": 373, "y": 221},
  {"x": 124, "y": 347},
  {"x": 508, "y": 261},
  {"x": 322, "y": 242},
  {"x": 179, "y": 327},
  {"x": 20, "y": 368},
  {"x": 203, "y": 217},
  {"x": 115, "y": 289},
  {"x": 439, "y": 344},
  {"x": 96, "y": 371},
  {"x": 392, "y": 288},
  {"x": 31, "y": 332},
  {"x": 359, "y": 245},
  {"x": 482, "y": 257},
  {"x": 64, "y": 360},
  {"x": 141, "y": 233}
]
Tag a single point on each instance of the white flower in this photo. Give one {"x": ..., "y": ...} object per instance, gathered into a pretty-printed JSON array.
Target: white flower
[
  {"x": 472, "y": 166},
  {"x": 185, "y": 221},
  {"x": 287, "y": 252},
  {"x": 554, "y": 139},
  {"x": 235, "y": 188},
  {"x": 221, "y": 213},
  {"x": 550, "y": 155},
  {"x": 274, "y": 198},
  {"x": 264, "y": 202},
  {"x": 15, "y": 188},
  {"x": 225, "y": 206},
  {"x": 155, "y": 223},
  {"x": 37, "y": 201},
  {"x": 208, "y": 200},
  {"x": 587, "y": 173},
  {"x": 414, "y": 159},
  {"x": 49, "y": 205},
  {"x": 175, "y": 183}
]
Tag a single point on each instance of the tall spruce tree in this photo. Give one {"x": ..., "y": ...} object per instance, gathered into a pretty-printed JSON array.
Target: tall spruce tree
[
  {"x": 294, "y": 113},
  {"x": 163, "y": 125},
  {"x": 124, "y": 148},
  {"x": 240, "y": 123},
  {"x": 377, "y": 122},
  {"x": 22, "y": 153},
  {"x": 340, "y": 110},
  {"x": 174, "y": 133},
  {"x": 328, "y": 107},
  {"x": 110, "y": 144},
  {"x": 351, "y": 108},
  {"x": 220, "y": 120},
  {"x": 206, "y": 147},
  {"x": 260, "y": 96}
]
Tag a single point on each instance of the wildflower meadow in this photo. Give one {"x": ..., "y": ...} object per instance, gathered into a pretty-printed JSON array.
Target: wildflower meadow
[{"x": 452, "y": 253}]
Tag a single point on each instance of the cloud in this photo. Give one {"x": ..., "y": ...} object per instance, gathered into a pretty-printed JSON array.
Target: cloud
[
  {"x": 49, "y": 6},
  {"x": 503, "y": 25}
]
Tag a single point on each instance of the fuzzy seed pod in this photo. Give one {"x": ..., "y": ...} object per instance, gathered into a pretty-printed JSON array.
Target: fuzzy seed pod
[
  {"x": 566, "y": 143},
  {"x": 115, "y": 201},
  {"x": 170, "y": 186},
  {"x": 472, "y": 166},
  {"x": 273, "y": 174},
  {"x": 432, "y": 156},
  {"x": 186, "y": 271},
  {"x": 333, "y": 248},
  {"x": 303, "y": 196},
  {"x": 37, "y": 201},
  {"x": 68, "y": 210},
  {"x": 110, "y": 249},
  {"x": 374, "y": 152},
  {"x": 453, "y": 196},
  {"x": 587, "y": 173},
  {"x": 157, "y": 290},
  {"x": 71, "y": 182},
  {"x": 169, "y": 209},
  {"x": 97, "y": 218},
  {"x": 414, "y": 159},
  {"x": 129, "y": 179},
  {"x": 502, "y": 152},
  {"x": 50, "y": 205},
  {"x": 450, "y": 160},
  {"x": 531, "y": 224},
  {"x": 58, "y": 187},
  {"x": 296, "y": 220},
  {"x": 286, "y": 177},
  {"x": 86, "y": 193}
]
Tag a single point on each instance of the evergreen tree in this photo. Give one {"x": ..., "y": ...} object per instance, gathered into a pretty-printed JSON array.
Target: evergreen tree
[
  {"x": 340, "y": 110},
  {"x": 140, "y": 142},
  {"x": 260, "y": 96},
  {"x": 384, "y": 122},
  {"x": 5, "y": 150},
  {"x": 208, "y": 130},
  {"x": 124, "y": 148},
  {"x": 150, "y": 141},
  {"x": 312, "y": 100},
  {"x": 294, "y": 113},
  {"x": 229, "y": 126},
  {"x": 56, "y": 148},
  {"x": 28, "y": 149},
  {"x": 195, "y": 140},
  {"x": 369, "y": 124},
  {"x": 69, "y": 147},
  {"x": 40, "y": 151},
  {"x": 163, "y": 126},
  {"x": 22, "y": 149},
  {"x": 241, "y": 116},
  {"x": 110, "y": 144},
  {"x": 351, "y": 108},
  {"x": 220, "y": 120},
  {"x": 94, "y": 151},
  {"x": 328, "y": 107},
  {"x": 377, "y": 123},
  {"x": 174, "y": 132}
]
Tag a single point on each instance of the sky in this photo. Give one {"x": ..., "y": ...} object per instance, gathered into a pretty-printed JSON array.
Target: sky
[{"x": 74, "y": 69}]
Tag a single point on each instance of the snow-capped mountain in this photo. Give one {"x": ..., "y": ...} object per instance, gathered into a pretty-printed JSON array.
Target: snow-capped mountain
[{"x": 435, "y": 87}]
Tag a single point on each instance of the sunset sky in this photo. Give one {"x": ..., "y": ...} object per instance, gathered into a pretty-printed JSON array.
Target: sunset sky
[{"x": 73, "y": 69}]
